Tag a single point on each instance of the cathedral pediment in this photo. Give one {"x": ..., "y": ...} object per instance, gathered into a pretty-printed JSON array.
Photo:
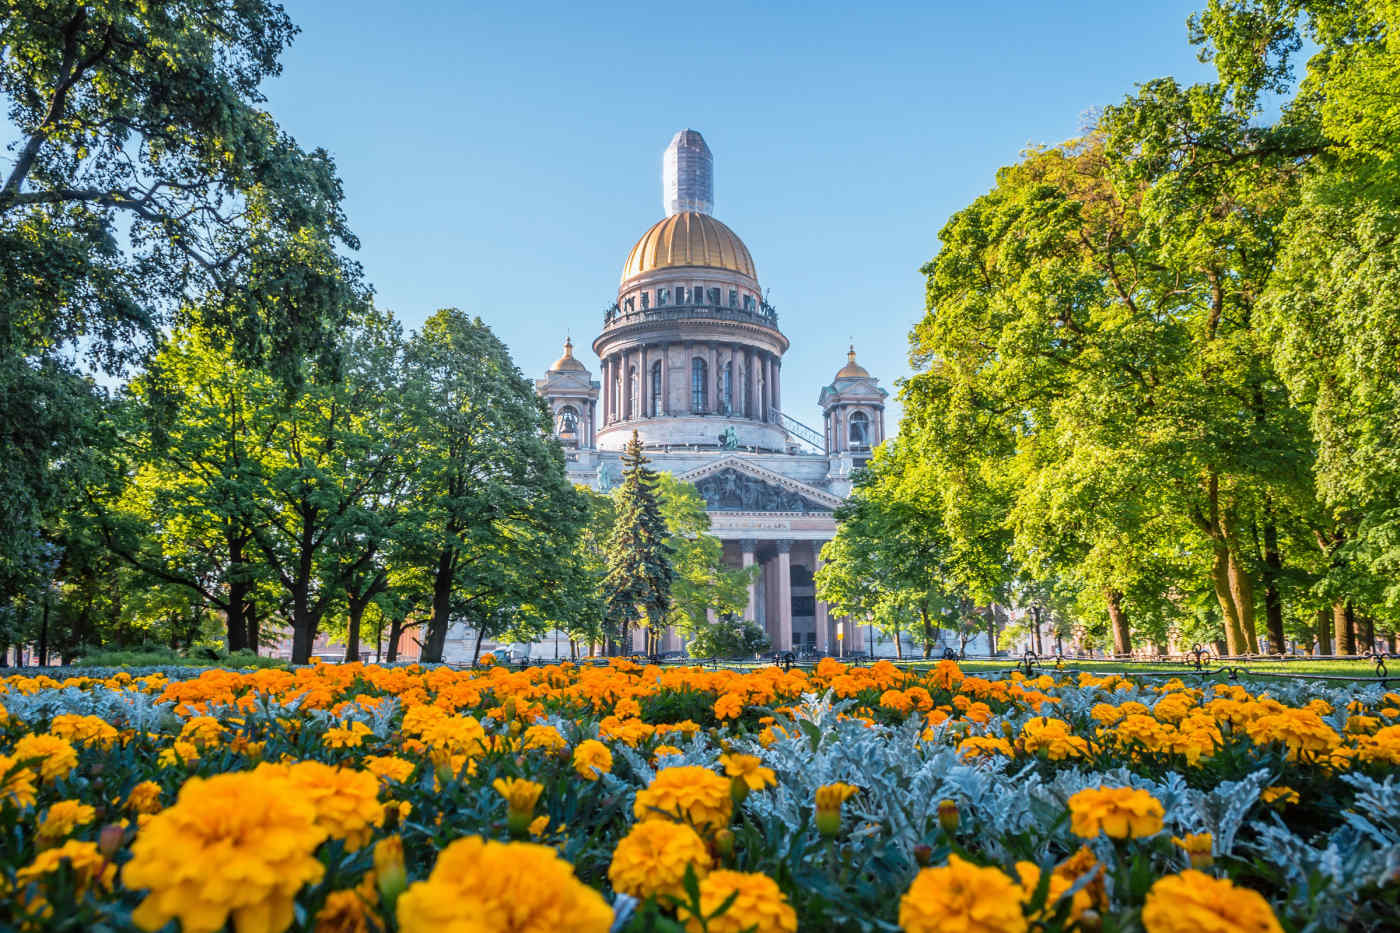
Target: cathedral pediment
[{"x": 736, "y": 485}]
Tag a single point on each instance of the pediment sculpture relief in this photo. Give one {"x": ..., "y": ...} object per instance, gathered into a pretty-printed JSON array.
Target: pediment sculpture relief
[{"x": 731, "y": 491}]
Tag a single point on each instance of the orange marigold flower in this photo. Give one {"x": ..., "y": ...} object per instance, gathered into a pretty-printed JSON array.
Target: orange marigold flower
[
  {"x": 962, "y": 896},
  {"x": 652, "y": 858},
  {"x": 1120, "y": 812},
  {"x": 592, "y": 759},
  {"x": 488, "y": 886},
  {"x": 688, "y": 792},
  {"x": 729, "y": 706},
  {"x": 757, "y": 906},
  {"x": 1193, "y": 901}
]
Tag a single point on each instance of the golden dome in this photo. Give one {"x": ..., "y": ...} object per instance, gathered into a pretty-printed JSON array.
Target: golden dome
[
  {"x": 852, "y": 369},
  {"x": 567, "y": 363},
  {"x": 689, "y": 238}
]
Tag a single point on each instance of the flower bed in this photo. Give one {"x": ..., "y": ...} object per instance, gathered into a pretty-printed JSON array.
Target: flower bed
[{"x": 357, "y": 798}]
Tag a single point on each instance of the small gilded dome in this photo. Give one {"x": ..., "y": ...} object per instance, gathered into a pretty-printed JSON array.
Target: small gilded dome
[
  {"x": 689, "y": 238},
  {"x": 567, "y": 363},
  {"x": 852, "y": 369}
]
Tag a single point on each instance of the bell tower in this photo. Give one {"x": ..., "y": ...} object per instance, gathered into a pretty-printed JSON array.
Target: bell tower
[{"x": 853, "y": 412}]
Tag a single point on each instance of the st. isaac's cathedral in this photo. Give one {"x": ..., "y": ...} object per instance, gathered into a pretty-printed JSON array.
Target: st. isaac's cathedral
[{"x": 691, "y": 358}]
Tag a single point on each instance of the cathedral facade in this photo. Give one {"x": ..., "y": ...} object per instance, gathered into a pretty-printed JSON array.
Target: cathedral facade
[{"x": 690, "y": 358}]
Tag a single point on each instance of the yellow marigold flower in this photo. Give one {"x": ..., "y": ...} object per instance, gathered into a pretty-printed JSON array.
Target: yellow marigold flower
[
  {"x": 729, "y": 706},
  {"x": 1081, "y": 863},
  {"x": 90, "y": 867},
  {"x": 749, "y": 769},
  {"x": 1120, "y": 812},
  {"x": 346, "y": 800},
  {"x": 1106, "y": 713},
  {"x": 984, "y": 746},
  {"x": 520, "y": 796},
  {"x": 345, "y": 911},
  {"x": 1197, "y": 847},
  {"x": 691, "y": 793},
  {"x": 85, "y": 730},
  {"x": 664, "y": 751},
  {"x": 234, "y": 845},
  {"x": 519, "y": 887},
  {"x": 539, "y": 824},
  {"x": 1053, "y": 738},
  {"x": 592, "y": 759},
  {"x": 651, "y": 859},
  {"x": 144, "y": 798},
  {"x": 758, "y": 905},
  {"x": 1173, "y": 707},
  {"x": 16, "y": 783},
  {"x": 1384, "y": 746},
  {"x": 1302, "y": 731},
  {"x": 389, "y": 767},
  {"x": 1279, "y": 794},
  {"x": 962, "y": 896},
  {"x": 1193, "y": 901},
  {"x": 545, "y": 738},
  {"x": 349, "y": 736},
  {"x": 203, "y": 731},
  {"x": 55, "y": 757},
  {"x": 180, "y": 752},
  {"x": 62, "y": 818},
  {"x": 1029, "y": 873},
  {"x": 829, "y": 798}
]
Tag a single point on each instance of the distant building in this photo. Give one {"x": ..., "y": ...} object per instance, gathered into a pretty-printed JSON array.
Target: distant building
[{"x": 691, "y": 359}]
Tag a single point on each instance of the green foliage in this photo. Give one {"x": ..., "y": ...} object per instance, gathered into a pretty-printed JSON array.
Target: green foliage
[
  {"x": 729, "y": 636},
  {"x": 640, "y": 569}
]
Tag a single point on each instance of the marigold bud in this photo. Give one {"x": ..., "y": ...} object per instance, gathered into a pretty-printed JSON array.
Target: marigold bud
[
  {"x": 724, "y": 843},
  {"x": 738, "y": 790},
  {"x": 948, "y": 816},
  {"x": 389, "y": 872},
  {"x": 1090, "y": 921},
  {"x": 110, "y": 840},
  {"x": 923, "y": 854}
]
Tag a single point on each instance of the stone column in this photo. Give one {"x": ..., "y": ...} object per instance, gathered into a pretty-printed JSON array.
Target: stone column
[
  {"x": 749, "y": 546},
  {"x": 714, "y": 377},
  {"x": 778, "y": 383},
  {"x": 663, "y": 404},
  {"x": 644, "y": 383},
  {"x": 767, "y": 388},
  {"x": 823, "y": 618},
  {"x": 784, "y": 572}
]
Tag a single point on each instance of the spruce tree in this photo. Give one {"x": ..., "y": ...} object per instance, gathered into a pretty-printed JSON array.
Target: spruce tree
[{"x": 638, "y": 584}]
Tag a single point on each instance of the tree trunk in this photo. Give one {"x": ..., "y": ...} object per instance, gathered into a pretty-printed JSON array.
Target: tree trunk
[
  {"x": 44, "y": 632},
  {"x": 1242, "y": 594},
  {"x": 254, "y": 628},
  {"x": 476, "y": 648},
  {"x": 436, "y": 641},
  {"x": 1341, "y": 628},
  {"x": 1273, "y": 602},
  {"x": 1324, "y": 631},
  {"x": 1365, "y": 634},
  {"x": 1118, "y": 622},
  {"x": 391, "y": 654},
  {"x": 355, "y": 613},
  {"x": 235, "y": 623},
  {"x": 1220, "y": 576},
  {"x": 928, "y": 631}
]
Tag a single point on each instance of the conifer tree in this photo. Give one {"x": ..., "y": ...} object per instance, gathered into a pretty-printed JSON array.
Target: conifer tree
[{"x": 638, "y": 584}]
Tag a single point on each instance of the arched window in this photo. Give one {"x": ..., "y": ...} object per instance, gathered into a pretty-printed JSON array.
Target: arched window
[
  {"x": 860, "y": 429},
  {"x": 699, "y": 372},
  {"x": 656, "y": 388},
  {"x": 634, "y": 393},
  {"x": 726, "y": 388},
  {"x": 566, "y": 422}
]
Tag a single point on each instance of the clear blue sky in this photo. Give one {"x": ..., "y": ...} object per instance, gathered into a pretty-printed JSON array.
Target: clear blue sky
[{"x": 503, "y": 158}]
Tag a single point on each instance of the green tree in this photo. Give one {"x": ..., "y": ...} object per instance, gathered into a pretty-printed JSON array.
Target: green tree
[
  {"x": 499, "y": 517},
  {"x": 640, "y": 569},
  {"x": 701, "y": 583}
]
